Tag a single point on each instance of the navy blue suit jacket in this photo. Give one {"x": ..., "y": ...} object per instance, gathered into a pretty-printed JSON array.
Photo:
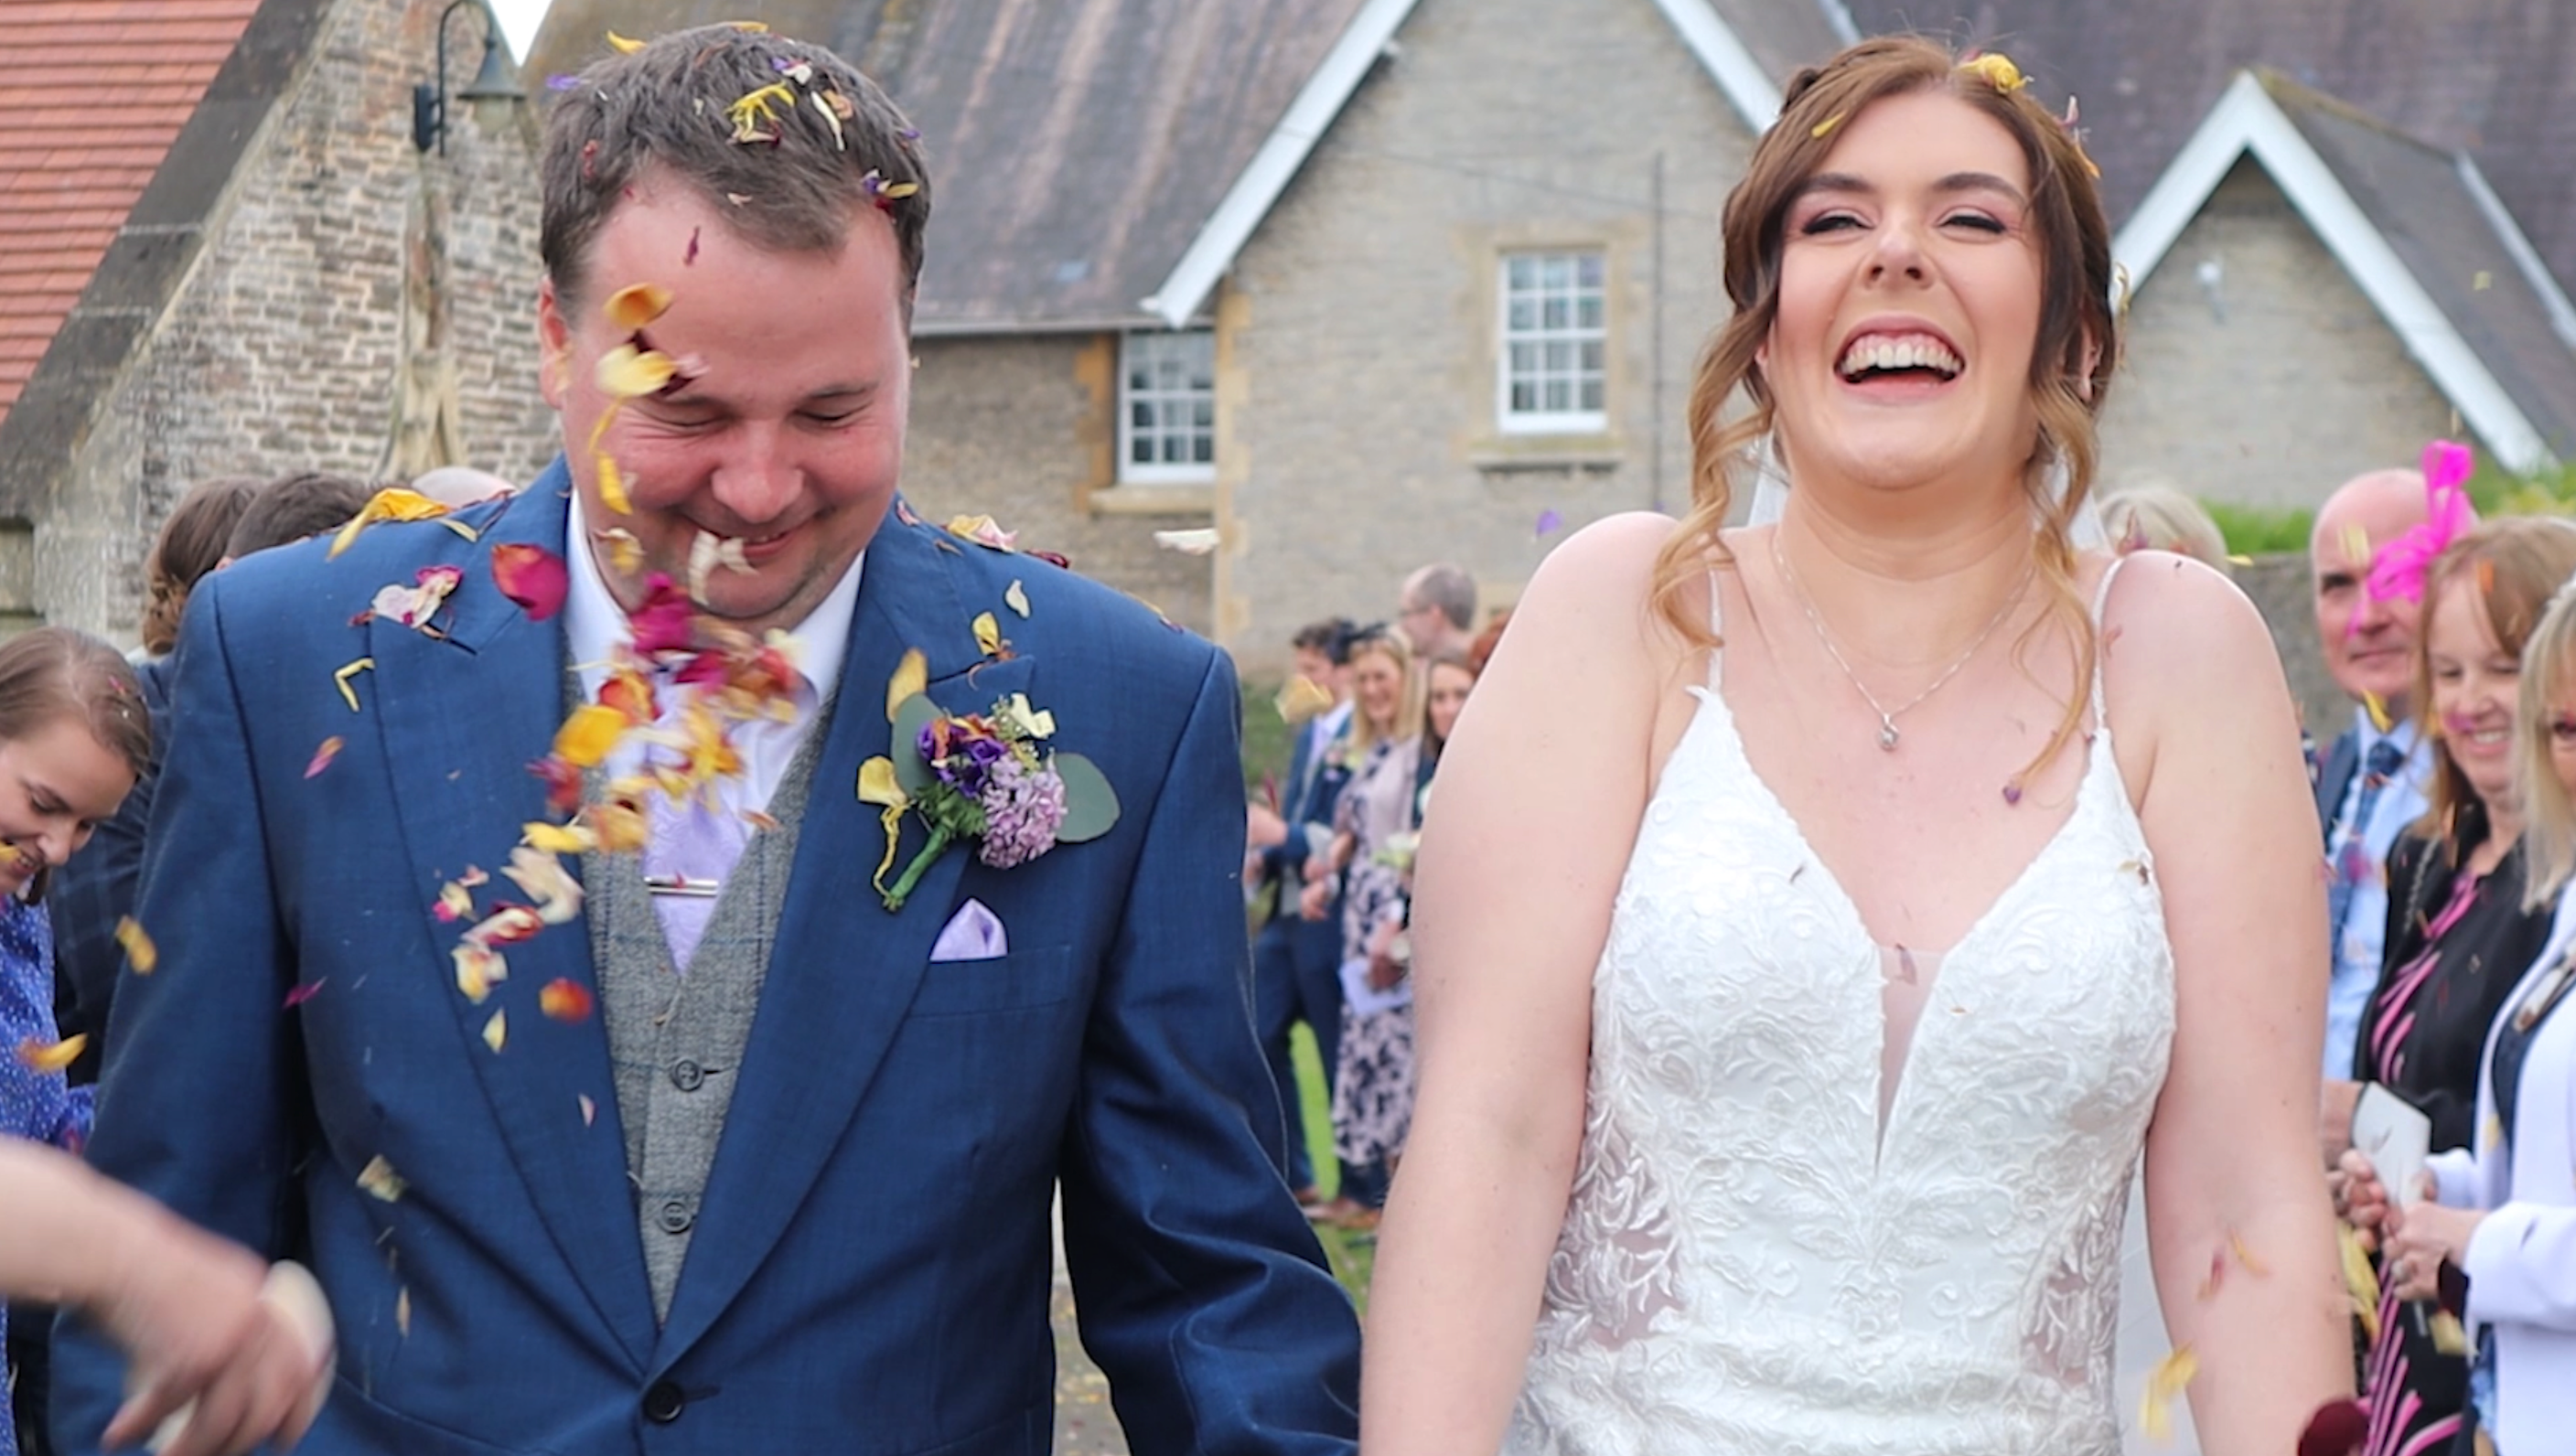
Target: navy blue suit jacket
[{"x": 869, "y": 1269}]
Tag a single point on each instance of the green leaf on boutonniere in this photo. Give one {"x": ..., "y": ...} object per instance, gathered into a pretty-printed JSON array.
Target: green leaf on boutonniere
[
  {"x": 1090, "y": 805},
  {"x": 911, "y": 716}
]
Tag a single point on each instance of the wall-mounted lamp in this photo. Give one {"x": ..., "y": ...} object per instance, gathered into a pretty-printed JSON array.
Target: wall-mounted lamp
[{"x": 495, "y": 81}]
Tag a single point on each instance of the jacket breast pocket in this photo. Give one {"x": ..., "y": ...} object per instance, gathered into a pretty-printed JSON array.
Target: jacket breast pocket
[{"x": 1014, "y": 982}]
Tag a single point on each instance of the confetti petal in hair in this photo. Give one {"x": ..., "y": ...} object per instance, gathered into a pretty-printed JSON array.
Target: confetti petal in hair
[
  {"x": 341, "y": 677},
  {"x": 323, "y": 755},
  {"x": 379, "y": 1180},
  {"x": 753, "y": 110},
  {"x": 533, "y": 577},
  {"x": 565, "y": 1000},
  {"x": 496, "y": 1032},
  {"x": 1197, "y": 542},
  {"x": 1825, "y": 128},
  {"x": 140, "y": 952},
  {"x": 2164, "y": 1383},
  {"x": 622, "y": 45},
  {"x": 832, "y": 119},
  {"x": 393, "y": 503},
  {"x": 51, "y": 1056},
  {"x": 1997, "y": 70},
  {"x": 911, "y": 676}
]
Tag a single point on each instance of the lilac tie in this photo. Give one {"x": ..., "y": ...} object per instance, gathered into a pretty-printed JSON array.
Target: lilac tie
[{"x": 692, "y": 849}]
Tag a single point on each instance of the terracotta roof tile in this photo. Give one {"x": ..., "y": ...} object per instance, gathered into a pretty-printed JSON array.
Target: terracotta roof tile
[{"x": 92, "y": 94}]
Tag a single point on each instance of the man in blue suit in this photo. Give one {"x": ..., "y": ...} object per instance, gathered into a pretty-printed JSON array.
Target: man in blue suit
[{"x": 788, "y": 1187}]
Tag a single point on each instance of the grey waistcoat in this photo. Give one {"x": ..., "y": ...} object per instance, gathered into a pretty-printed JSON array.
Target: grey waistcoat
[{"x": 677, "y": 1041}]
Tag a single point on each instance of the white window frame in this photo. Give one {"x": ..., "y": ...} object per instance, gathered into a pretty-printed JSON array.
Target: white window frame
[
  {"x": 1151, "y": 352},
  {"x": 1537, "y": 333}
]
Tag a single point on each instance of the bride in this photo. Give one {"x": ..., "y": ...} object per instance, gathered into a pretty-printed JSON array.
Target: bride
[{"x": 1792, "y": 1014}]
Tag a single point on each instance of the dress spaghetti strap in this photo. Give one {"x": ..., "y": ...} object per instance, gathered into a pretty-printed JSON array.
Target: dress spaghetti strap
[{"x": 2102, "y": 600}]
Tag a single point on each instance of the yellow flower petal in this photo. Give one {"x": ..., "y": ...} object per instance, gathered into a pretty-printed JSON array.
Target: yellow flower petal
[
  {"x": 622, "y": 45},
  {"x": 140, "y": 952},
  {"x": 496, "y": 1032},
  {"x": 348, "y": 693},
  {"x": 2360, "y": 1280},
  {"x": 1998, "y": 71},
  {"x": 627, "y": 372},
  {"x": 52, "y": 1056},
  {"x": 379, "y": 1179},
  {"x": 637, "y": 304},
  {"x": 877, "y": 784},
  {"x": 625, "y": 553},
  {"x": 612, "y": 486},
  {"x": 2166, "y": 1381},
  {"x": 911, "y": 676},
  {"x": 588, "y": 735},
  {"x": 475, "y": 968},
  {"x": 555, "y": 838},
  {"x": 1825, "y": 128},
  {"x": 390, "y": 504},
  {"x": 988, "y": 634}
]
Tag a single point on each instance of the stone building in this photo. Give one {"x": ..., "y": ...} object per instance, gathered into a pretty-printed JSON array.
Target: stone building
[{"x": 256, "y": 272}]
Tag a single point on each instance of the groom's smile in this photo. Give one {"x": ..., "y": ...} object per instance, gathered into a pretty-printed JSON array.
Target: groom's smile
[{"x": 783, "y": 428}]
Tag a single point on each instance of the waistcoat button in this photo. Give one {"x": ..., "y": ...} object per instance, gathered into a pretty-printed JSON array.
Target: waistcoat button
[
  {"x": 675, "y": 1216},
  {"x": 687, "y": 1075}
]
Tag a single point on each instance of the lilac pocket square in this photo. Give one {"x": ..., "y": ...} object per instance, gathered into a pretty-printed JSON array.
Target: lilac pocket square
[{"x": 972, "y": 934}]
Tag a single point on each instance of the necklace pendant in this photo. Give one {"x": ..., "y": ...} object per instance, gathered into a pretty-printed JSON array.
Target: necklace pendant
[{"x": 1887, "y": 734}]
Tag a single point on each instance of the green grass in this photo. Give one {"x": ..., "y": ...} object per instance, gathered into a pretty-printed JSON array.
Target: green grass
[
  {"x": 2262, "y": 530},
  {"x": 1268, "y": 741},
  {"x": 1354, "y": 1255}
]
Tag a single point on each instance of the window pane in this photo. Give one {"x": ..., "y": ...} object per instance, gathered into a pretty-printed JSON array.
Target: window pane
[
  {"x": 1524, "y": 397},
  {"x": 1140, "y": 416},
  {"x": 1592, "y": 396},
  {"x": 1560, "y": 358},
  {"x": 1592, "y": 356},
  {"x": 1524, "y": 315},
  {"x": 1559, "y": 398},
  {"x": 1588, "y": 268},
  {"x": 1203, "y": 451},
  {"x": 1524, "y": 273},
  {"x": 1524, "y": 359},
  {"x": 1588, "y": 312},
  {"x": 1556, "y": 271},
  {"x": 1203, "y": 414}
]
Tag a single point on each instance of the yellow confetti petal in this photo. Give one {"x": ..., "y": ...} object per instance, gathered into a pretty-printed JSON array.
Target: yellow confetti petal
[
  {"x": 380, "y": 1180},
  {"x": 496, "y": 1032},
  {"x": 1016, "y": 598},
  {"x": 341, "y": 677},
  {"x": 2356, "y": 544},
  {"x": 588, "y": 735},
  {"x": 988, "y": 634},
  {"x": 1825, "y": 128},
  {"x": 2448, "y": 1338},
  {"x": 2378, "y": 710},
  {"x": 612, "y": 486},
  {"x": 911, "y": 676},
  {"x": 2481, "y": 281},
  {"x": 637, "y": 304},
  {"x": 1997, "y": 69},
  {"x": 2245, "y": 1256},
  {"x": 52, "y": 1056},
  {"x": 625, "y": 553},
  {"x": 390, "y": 504},
  {"x": 1300, "y": 699},
  {"x": 140, "y": 952},
  {"x": 622, "y": 45},
  {"x": 2166, "y": 1381},
  {"x": 2360, "y": 1279},
  {"x": 627, "y": 372},
  {"x": 477, "y": 967},
  {"x": 556, "y": 838},
  {"x": 877, "y": 784}
]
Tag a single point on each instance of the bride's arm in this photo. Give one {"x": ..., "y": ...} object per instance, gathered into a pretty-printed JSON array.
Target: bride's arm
[
  {"x": 1540, "y": 792},
  {"x": 2232, "y": 1180}
]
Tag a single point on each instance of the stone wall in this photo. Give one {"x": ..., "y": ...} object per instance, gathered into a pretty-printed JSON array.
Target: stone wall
[
  {"x": 1357, "y": 371},
  {"x": 2257, "y": 371},
  {"x": 356, "y": 302}
]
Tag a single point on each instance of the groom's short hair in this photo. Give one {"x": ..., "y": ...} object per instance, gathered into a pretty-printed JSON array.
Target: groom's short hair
[{"x": 786, "y": 138}]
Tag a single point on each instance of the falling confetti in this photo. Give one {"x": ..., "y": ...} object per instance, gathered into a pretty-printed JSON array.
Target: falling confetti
[
  {"x": 589, "y": 1109},
  {"x": 341, "y": 678},
  {"x": 323, "y": 755},
  {"x": 380, "y": 1180},
  {"x": 140, "y": 952},
  {"x": 1016, "y": 597},
  {"x": 565, "y": 1000},
  {"x": 52, "y": 1056},
  {"x": 1825, "y": 128},
  {"x": 303, "y": 993},
  {"x": 1549, "y": 521},
  {"x": 402, "y": 1311},
  {"x": 496, "y": 1032},
  {"x": 531, "y": 576},
  {"x": 2164, "y": 1383},
  {"x": 1198, "y": 542}
]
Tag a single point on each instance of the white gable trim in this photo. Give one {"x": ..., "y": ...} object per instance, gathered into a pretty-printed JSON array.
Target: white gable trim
[
  {"x": 2526, "y": 258},
  {"x": 2247, "y": 120},
  {"x": 1319, "y": 104}
]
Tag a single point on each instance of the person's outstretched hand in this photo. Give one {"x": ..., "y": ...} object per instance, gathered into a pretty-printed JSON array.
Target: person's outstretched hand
[{"x": 227, "y": 1353}]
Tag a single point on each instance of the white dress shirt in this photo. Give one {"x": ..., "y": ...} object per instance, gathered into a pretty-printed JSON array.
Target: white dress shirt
[
  {"x": 595, "y": 625},
  {"x": 2365, "y": 926}
]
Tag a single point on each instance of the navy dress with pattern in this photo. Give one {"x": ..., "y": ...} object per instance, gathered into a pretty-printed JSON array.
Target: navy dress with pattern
[{"x": 38, "y": 1106}]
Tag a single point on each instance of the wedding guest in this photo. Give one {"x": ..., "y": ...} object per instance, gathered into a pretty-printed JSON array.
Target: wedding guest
[
  {"x": 2373, "y": 780},
  {"x": 2148, "y": 516},
  {"x": 1481, "y": 651},
  {"x": 2503, "y": 1209},
  {"x": 1817, "y": 920},
  {"x": 2460, "y": 932},
  {"x": 1437, "y": 609},
  {"x": 190, "y": 544},
  {"x": 294, "y": 508},
  {"x": 1447, "y": 679},
  {"x": 1373, "y": 1076},
  {"x": 1296, "y": 961}
]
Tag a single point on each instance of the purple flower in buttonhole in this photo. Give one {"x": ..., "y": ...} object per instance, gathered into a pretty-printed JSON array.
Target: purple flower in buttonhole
[{"x": 1023, "y": 806}]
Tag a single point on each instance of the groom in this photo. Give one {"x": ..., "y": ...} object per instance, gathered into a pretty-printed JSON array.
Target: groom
[{"x": 734, "y": 1159}]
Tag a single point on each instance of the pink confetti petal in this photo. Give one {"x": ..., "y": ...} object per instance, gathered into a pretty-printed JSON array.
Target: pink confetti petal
[
  {"x": 531, "y": 576},
  {"x": 304, "y": 992}
]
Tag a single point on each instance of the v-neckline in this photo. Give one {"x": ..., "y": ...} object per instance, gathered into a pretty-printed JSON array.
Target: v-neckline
[{"x": 2097, "y": 745}]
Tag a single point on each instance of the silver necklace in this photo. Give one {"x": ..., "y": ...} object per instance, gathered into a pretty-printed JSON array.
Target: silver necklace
[{"x": 1887, "y": 730}]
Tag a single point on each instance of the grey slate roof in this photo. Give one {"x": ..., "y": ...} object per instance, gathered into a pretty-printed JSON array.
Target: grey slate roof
[
  {"x": 1076, "y": 146},
  {"x": 2417, "y": 198}
]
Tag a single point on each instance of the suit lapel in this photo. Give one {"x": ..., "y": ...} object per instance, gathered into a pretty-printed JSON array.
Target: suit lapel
[
  {"x": 827, "y": 1013},
  {"x": 2336, "y": 778},
  {"x": 476, "y": 708}
]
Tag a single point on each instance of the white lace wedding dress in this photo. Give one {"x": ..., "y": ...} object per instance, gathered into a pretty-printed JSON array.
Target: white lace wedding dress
[{"x": 1747, "y": 1267}]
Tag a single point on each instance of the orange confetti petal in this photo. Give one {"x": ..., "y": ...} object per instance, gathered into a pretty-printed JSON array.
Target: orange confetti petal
[
  {"x": 52, "y": 1056},
  {"x": 627, "y": 372},
  {"x": 587, "y": 736},
  {"x": 140, "y": 952},
  {"x": 323, "y": 755},
  {"x": 390, "y": 504},
  {"x": 565, "y": 1000},
  {"x": 632, "y": 307}
]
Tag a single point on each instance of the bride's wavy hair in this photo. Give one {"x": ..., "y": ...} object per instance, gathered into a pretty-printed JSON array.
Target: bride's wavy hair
[{"x": 2071, "y": 364}]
